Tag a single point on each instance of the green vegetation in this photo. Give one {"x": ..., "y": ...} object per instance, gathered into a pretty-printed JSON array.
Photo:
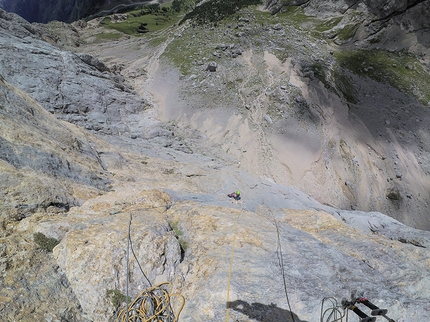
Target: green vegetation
[
  {"x": 319, "y": 70},
  {"x": 295, "y": 15},
  {"x": 348, "y": 32},
  {"x": 213, "y": 11},
  {"x": 175, "y": 228},
  {"x": 327, "y": 24},
  {"x": 107, "y": 36},
  {"x": 116, "y": 297},
  {"x": 401, "y": 70},
  {"x": 178, "y": 234},
  {"x": 183, "y": 5},
  {"x": 185, "y": 53},
  {"x": 345, "y": 85},
  {"x": 146, "y": 19},
  {"x": 158, "y": 40},
  {"x": 45, "y": 243},
  {"x": 195, "y": 49},
  {"x": 282, "y": 53}
]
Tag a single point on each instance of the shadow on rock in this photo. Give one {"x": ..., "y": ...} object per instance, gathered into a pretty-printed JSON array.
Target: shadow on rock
[{"x": 263, "y": 312}]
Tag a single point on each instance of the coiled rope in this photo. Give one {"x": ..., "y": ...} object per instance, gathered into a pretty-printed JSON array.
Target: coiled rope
[
  {"x": 154, "y": 303},
  {"x": 334, "y": 312}
]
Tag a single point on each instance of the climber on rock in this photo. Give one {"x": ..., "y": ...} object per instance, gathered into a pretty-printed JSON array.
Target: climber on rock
[{"x": 235, "y": 195}]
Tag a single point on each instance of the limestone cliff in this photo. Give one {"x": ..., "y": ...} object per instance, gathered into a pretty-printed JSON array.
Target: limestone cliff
[
  {"x": 122, "y": 152},
  {"x": 397, "y": 25}
]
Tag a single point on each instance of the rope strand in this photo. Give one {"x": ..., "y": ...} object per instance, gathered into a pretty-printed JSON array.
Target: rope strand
[
  {"x": 154, "y": 303},
  {"x": 227, "y": 315},
  {"x": 281, "y": 260}
]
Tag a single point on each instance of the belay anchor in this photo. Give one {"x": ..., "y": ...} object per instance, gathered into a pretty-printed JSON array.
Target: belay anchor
[{"x": 375, "y": 311}]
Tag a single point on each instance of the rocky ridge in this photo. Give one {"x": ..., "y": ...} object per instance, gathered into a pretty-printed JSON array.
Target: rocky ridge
[
  {"x": 395, "y": 25},
  {"x": 223, "y": 256}
]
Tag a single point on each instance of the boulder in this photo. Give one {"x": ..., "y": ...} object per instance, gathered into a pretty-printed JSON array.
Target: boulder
[{"x": 212, "y": 66}]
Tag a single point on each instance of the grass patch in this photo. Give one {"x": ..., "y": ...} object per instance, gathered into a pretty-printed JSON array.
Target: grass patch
[
  {"x": 158, "y": 40},
  {"x": 216, "y": 10},
  {"x": 108, "y": 36},
  {"x": 400, "y": 70},
  {"x": 348, "y": 32},
  {"x": 183, "y": 5},
  {"x": 345, "y": 85},
  {"x": 297, "y": 17},
  {"x": 195, "y": 49},
  {"x": 186, "y": 52},
  {"x": 176, "y": 229},
  {"x": 141, "y": 21},
  {"x": 319, "y": 70},
  {"x": 45, "y": 243},
  {"x": 327, "y": 24},
  {"x": 283, "y": 53},
  {"x": 179, "y": 233},
  {"x": 116, "y": 297}
]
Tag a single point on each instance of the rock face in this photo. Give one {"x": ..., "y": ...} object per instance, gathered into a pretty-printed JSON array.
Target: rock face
[
  {"x": 47, "y": 167},
  {"x": 81, "y": 89},
  {"x": 67, "y": 11},
  {"x": 232, "y": 257},
  {"x": 376, "y": 23},
  {"x": 44, "y": 161},
  {"x": 94, "y": 257},
  {"x": 143, "y": 202},
  {"x": 45, "y": 11}
]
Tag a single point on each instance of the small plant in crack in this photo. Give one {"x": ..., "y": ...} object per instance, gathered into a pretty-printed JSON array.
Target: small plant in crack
[
  {"x": 116, "y": 297},
  {"x": 178, "y": 233},
  {"x": 45, "y": 243}
]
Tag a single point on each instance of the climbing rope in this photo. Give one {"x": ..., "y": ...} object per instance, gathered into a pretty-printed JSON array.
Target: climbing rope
[
  {"x": 130, "y": 247},
  {"x": 227, "y": 315},
  {"x": 152, "y": 305},
  {"x": 334, "y": 312},
  {"x": 281, "y": 261}
]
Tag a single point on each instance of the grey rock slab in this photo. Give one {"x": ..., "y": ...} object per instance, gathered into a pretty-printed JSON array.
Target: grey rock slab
[{"x": 71, "y": 86}]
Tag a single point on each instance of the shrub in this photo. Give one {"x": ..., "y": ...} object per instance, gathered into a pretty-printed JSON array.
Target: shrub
[
  {"x": 217, "y": 10},
  {"x": 45, "y": 243},
  {"x": 401, "y": 70},
  {"x": 116, "y": 297},
  {"x": 175, "y": 228},
  {"x": 182, "y": 242}
]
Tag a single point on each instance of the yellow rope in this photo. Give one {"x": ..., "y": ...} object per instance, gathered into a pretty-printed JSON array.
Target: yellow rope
[
  {"x": 152, "y": 305},
  {"x": 227, "y": 315}
]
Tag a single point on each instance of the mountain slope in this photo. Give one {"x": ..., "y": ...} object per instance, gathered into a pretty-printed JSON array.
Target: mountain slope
[
  {"x": 302, "y": 112},
  {"x": 173, "y": 138},
  {"x": 46, "y": 163},
  {"x": 67, "y": 11},
  {"x": 47, "y": 166}
]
